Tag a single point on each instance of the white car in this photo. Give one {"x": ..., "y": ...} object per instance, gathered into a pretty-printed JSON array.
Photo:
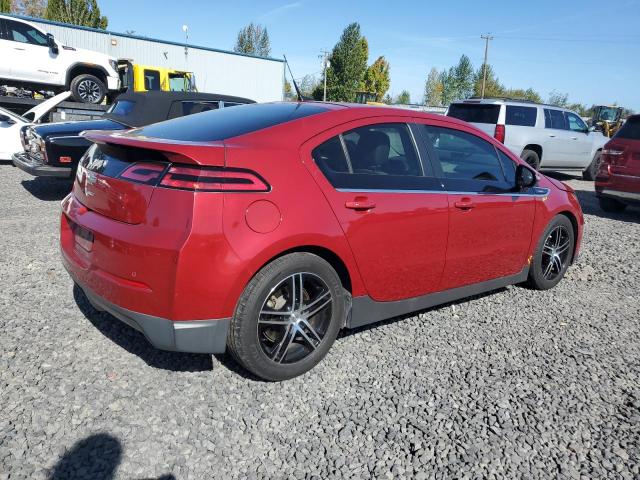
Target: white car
[
  {"x": 545, "y": 136},
  {"x": 35, "y": 60},
  {"x": 11, "y": 123}
]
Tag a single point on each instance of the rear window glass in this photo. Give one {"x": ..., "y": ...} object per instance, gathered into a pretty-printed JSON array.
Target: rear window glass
[
  {"x": 228, "y": 122},
  {"x": 474, "y": 113},
  {"x": 122, "y": 107},
  {"x": 630, "y": 129},
  {"x": 523, "y": 116}
]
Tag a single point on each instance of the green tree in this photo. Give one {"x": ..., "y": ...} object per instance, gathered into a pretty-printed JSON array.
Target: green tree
[
  {"x": 5, "y": 6},
  {"x": 464, "y": 77},
  {"x": 433, "y": 89},
  {"x": 76, "y": 12},
  {"x": 345, "y": 75},
  {"x": 377, "y": 79},
  {"x": 404, "y": 98},
  {"x": 493, "y": 87},
  {"x": 253, "y": 40},
  {"x": 558, "y": 99}
]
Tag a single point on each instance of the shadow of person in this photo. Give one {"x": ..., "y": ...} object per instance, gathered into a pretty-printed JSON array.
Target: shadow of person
[
  {"x": 96, "y": 457},
  {"x": 48, "y": 189},
  {"x": 134, "y": 342}
]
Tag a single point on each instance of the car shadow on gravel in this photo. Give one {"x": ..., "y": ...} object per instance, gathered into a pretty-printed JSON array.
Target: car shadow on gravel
[
  {"x": 134, "y": 342},
  {"x": 96, "y": 457},
  {"x": 48, "y": 189}
]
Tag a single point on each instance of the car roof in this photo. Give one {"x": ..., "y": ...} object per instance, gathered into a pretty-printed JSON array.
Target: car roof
[
  {"x": 507, "y": 101},
  {"x": 152, "y": 107}
]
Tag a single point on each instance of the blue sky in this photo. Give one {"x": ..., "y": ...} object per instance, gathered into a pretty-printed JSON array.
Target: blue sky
[{"x": 588, "y": 49}]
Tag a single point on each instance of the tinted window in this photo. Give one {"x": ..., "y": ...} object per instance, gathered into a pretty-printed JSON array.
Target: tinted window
[
  {"x": 630, "y": 129},
  {"x": 229, "y": 122},
  {"x": 151, "y": 80},
  {"x": 122, "y": 107},
  {"x": 508, "y": 167},
  {"x": 575, "y": 123},
  {"x": 523, "y": 116},
  {"x": 474, "y": 113},
  {"x": 23, "y": 33},
  {"x": 554, "y": 119},
  {"x": 375, "y": 157},
  {"x": 463, "y": 156}
]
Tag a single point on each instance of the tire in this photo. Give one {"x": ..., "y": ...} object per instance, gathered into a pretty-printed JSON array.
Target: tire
[
  {"x": 281, "y": 346},
  {"x": 547, "y": 269},
  {"x": 88, "y": 89},
  {"x": 592, "y": 170},
  {"x": 532, "y": 158},
  {"x": 611, "y": 205}
]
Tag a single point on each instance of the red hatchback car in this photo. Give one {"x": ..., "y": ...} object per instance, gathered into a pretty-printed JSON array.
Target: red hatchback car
[
  {"x": 618, "y": 179},
  {"x": 267, "y": 228}
]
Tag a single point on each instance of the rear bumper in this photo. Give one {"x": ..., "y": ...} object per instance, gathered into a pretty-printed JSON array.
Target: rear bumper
[
  {"x": 197, "y": 336},
  {"x": 26, "y": 163},
  {"x": 625, "y": 188}
]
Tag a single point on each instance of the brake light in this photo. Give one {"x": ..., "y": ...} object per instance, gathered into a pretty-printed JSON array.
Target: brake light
[
  {"x": 612, "y": 156},
  {"x": 213, "y": 179},
  {"x": 499, "y": 133},
  {"x": 147, "y": 173}
]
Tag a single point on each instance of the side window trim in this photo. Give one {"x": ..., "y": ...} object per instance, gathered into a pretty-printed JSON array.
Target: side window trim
[
  {"x": 345, "y": 150},
  {"x": 418, "y": 150},
  {"x": 426, "y": 153}
]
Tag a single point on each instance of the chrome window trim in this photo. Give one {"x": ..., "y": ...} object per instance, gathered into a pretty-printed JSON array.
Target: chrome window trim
[{"x": 543, "y": 192}]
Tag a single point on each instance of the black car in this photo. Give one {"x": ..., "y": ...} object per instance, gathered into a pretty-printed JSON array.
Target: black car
[{"x": 55, "y": 149}]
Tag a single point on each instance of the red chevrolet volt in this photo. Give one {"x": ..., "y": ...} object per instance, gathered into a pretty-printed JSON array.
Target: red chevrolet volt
[{"x": 265, "y": 229}]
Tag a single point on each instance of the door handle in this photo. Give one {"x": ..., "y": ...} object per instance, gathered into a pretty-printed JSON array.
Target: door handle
[
  {"x": 18, "y": 48},
  {"x": 552, "y": 136},
  {"x": 360, "y": 203},
  {"x": 574, "y": 138},
  {"x": 464, "y": 204}
]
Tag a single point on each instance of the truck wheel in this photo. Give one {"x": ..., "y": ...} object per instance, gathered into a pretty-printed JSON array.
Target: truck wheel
[
  {"x": 592, "y": 170},
  {"x": 531, "y": 158},
  {"x": 88, "y": 89}
]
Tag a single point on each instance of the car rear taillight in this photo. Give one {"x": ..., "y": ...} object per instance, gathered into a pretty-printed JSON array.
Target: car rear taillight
[
  {"x": 612, "y": 156},
  {"x": 213, "y": 179},
  {"x": 499, "y": 133},
  {"x": 147, "y": 173}
]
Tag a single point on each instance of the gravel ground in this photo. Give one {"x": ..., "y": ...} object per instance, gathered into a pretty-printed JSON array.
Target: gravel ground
[{"x": 514, "y": 384}]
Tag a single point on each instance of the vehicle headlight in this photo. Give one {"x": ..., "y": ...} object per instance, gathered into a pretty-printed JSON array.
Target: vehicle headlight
[
  {"x": 114, "y": 65},
  {"x": 35, "y": 145}
]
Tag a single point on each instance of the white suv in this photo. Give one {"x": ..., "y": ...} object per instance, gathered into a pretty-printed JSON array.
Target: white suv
[
  {"x": 33, "y": 59},
  {"x": 545, "y": 136}
]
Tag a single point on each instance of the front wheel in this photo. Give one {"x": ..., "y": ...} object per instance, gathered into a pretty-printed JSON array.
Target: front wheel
[
  {"x": 553, "y": 254},
  {"x": 288, "y": 317},
  {"x": 592, "y": 170},
  {"x": 88, "y": 89}
]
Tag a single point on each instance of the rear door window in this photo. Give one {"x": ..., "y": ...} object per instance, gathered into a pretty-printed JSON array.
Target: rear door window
[
  {"x": 474, "y": 112},
  {"x": 465, "y": 162},
  {"x": 630, "y": 130},
  {"x": 554, "y": 119},
  {"x": 522, "y": 116},
  {"x": 373, "y": 157}
]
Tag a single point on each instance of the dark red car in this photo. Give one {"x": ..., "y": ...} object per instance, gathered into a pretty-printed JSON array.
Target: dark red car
[
  {"x": 267, "y": 228},
  {"x": 618, "y": 179}
]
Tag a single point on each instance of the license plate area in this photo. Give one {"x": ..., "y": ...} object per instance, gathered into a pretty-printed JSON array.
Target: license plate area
[{"x": 83, "y": 237}]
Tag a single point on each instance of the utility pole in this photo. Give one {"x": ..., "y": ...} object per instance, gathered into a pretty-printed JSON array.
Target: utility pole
[
  {"x": 325, "y": 64},
  {"x": 486, "y": 39}
]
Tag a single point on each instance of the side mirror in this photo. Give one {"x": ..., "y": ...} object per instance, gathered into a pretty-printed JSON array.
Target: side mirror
[
  {"x": 7, "y": 119},
  {"x": 525, "y": 177},
  {"x": 51, "y": 42},
  {"x": 591, "y": 129}
]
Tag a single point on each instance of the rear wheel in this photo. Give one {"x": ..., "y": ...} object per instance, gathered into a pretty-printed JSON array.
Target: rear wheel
[
  {"x": 88, "y": 89},
  {"x": 553, "y": 254},
  {"x": 287, "y": 317},
  {"x": 611, "y": 205},
  {"x": 592, "y": 170},
  {"x": 532, "y": 158}
]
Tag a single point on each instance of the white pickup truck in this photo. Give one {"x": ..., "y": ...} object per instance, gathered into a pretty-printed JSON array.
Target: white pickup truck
[{"x": 35, "y": 60}]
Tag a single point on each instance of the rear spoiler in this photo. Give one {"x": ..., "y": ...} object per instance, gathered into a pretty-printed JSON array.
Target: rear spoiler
[{"x": 198, "y": 153}]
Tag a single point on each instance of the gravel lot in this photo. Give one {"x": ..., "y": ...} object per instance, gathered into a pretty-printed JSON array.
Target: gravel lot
[{"x": 514, "y": 384}]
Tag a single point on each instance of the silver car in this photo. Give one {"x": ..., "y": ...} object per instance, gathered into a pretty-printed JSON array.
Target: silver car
[{"x": 545, "y": 136}]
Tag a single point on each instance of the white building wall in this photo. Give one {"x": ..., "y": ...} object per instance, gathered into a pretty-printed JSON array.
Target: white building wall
[{"x": 220, "y": 72}]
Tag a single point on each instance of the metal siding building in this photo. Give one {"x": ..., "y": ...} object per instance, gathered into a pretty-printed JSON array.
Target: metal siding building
[{"x": 216, "y": 71}]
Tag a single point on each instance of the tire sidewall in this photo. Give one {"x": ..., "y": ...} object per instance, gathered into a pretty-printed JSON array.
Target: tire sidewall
[
  {"x": 76, "y": 81},
  {"x": 531, "y": 158},
  {"x": 246, "y": 344},
  {"x": 536, "y": 273}
]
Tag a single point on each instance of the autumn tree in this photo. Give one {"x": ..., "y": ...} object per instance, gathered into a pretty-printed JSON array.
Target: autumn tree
[
  {"x": 253, "y": 40},
  {"x": 5, "y": 6},
  {"x": 377, "y": 78},
  {"x": 76, "y": 12},
  {"x": 433, "y": 89}
]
